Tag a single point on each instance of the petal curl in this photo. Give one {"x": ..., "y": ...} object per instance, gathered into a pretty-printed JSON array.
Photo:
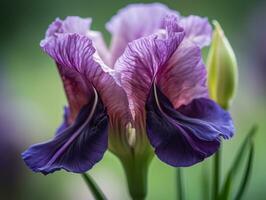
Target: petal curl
[
  {"x": 69, "y": 51},
  {"x": 197, "y": 29},
  {"x": 81, "y": 69},
  {"x": 100, "y": 45},
  {"x": 72, "y": 24},
  {"x": 75, "y": 24},
  {"x": 133, "y": 22},
  {"x": 185, "y": 136},
  {"x": 78, "y": 147},
  {"x": 142, "y": 61},
  {"x": 183, "y": 77}
]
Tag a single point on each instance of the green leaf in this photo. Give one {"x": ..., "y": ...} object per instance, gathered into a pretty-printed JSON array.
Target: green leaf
[
  {"x": 180, "y": 185},
  {"x": 240, "y": 155},
  {"x": 247, "y": 174},
  {"x": 205, "y": 181},
  {"x": 94, "y": 188},
  {"x": 225, "y": 192}
]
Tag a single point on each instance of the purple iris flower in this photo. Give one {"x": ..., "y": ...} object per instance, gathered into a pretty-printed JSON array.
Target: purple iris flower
[{"x": 152, "y": 80}]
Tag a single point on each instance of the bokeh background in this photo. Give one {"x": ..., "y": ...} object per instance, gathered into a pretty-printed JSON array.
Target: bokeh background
[{"x": 32, "y": 98}]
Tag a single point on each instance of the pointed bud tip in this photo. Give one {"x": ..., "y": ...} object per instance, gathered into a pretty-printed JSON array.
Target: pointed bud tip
[{"x": 222, "y": 68}]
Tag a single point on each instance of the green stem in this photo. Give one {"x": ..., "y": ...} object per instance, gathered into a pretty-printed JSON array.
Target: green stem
[
  {"x": 180, "y": 185},
  {"x": 216, "y": 177},
  {"x": 205, "y": 181},
  {"x": 136, "y": 172},
  {"x": 94, "y": 188}
]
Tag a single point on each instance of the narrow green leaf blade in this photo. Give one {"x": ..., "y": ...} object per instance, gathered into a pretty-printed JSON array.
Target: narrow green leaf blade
[
  {"x": 247, "y": 174},
  {"x": 236, "y": 164},
  {"x": 240, "y": 155},
  {"x": 226, "y": 191},
  {"x": 205, "y": 182},
  {"x": 94, "y": 188},
  {"x": 180, "y": 185}
]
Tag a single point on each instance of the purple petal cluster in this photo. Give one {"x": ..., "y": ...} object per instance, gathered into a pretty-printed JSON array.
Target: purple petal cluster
[{"x": 152, "y": 78}]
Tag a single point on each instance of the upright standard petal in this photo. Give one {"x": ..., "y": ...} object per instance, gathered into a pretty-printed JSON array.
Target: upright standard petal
[
  {"x": 185, "y": 136},
  {"x": 71, "y": 24},
  {"x": 133, "y": 22},
  {"x": 183, "y": 77},
  {"x": 197, "y": 29},
  {"x": 143, "y": 59},
  {"x": 75, "y": 24}
]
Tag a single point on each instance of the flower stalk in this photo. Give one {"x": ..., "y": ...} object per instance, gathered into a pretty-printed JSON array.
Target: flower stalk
[
  {"x": 180, "y": 184},
  {"x": 217, "y": 172},
  {"x": 136, "y": 170}
]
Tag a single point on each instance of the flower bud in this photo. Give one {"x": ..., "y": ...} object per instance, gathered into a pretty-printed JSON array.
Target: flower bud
[{"x": 222, "y": 69}]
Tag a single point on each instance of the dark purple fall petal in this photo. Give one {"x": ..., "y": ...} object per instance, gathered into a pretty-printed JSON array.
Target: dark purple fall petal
[
  {"x": 188, "y": 135},
  {"x": 78, "y": 147},
  {"x": 65, "y": 122}
]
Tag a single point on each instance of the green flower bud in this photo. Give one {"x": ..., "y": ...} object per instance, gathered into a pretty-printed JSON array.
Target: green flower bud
[{"x": 222, "y": 69}]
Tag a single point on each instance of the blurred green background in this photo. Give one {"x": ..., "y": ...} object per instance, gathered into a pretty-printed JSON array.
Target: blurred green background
[{"x": 32, "y": 98}]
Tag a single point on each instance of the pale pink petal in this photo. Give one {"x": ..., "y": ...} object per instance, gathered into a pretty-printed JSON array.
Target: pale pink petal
[
  {"x": 71, "y": 24},
  {"x": 99, "y": 44},
  {"x": 75, "y": 24},
  {"x": 197, "y": 29},
  {"x": 143, "y": 59},
  {"x": 184, "y": 76},
  {"x": 133, "y": 22}
]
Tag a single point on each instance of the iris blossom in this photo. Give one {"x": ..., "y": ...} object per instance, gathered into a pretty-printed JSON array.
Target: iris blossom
[{"x": 146, "y": 93}]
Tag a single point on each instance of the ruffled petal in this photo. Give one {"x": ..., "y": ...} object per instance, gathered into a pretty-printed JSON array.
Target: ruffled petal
[
  {"x": 133, "y": 22},
  {"x": 183, "y": 78},
  {"x": 80, "y": 69},
  {"x": 185, "y": 136},
  {"x": 143, "y": 59},
  {"x": 69, "y": 51},
  {"x": 71, "y": 24},
  {"x": 75, "y": 149},
  {"x": 75, "y": 24},
  {"x": 197, "y": 29},
  {"x": 100, "y": 45}
]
